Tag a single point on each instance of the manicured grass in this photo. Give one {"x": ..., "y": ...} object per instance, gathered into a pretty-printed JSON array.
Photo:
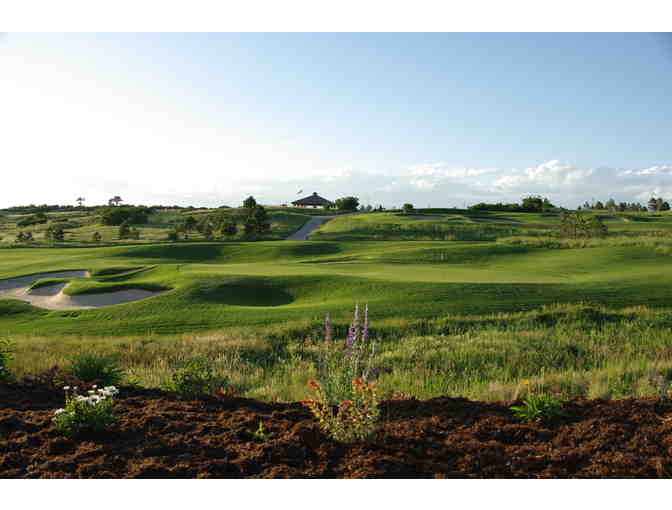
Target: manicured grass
[{"x": 221, "y": 285}]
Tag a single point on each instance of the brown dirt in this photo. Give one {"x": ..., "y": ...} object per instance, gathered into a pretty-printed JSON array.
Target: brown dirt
[{"x": 158, "y": 436}]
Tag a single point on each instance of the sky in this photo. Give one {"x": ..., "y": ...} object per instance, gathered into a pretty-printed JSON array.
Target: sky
[{"x": 435, "y": 119}]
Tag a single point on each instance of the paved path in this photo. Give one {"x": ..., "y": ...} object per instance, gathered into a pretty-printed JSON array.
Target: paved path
[{"x": 308, "y": 227}]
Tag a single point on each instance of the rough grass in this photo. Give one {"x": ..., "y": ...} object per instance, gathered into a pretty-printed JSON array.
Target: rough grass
[
  {"x": 80, "y": 226},
  {"x": 574, "y": 350}
]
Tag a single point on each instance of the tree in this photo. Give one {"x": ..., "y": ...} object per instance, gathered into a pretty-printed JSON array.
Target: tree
[
  {"x": 118, "y": 215},
  {"x": 207, "y": 230},
  {"x": 611, "y": 204},
  {"x": 598, "y": 205},
  {"x": 124, "y": 231},
  {"x": 80, "y": 201},
  {"x": 229, "y": 228},
  {"x": 134, "y": 233},
  {"x": 596, "y": 228},
  {"x": 249, "y": 202},
  {"x": 347, "y": 203},
  {"x": 115, "y": 200},
  {"x": 408, "y": 208},
  {"x": 536, "y": 204},
  {"x": 55, "y": 233},
  {"x": 653, "y": 204},
  {"x": 96, "y": 237},
  {"x": 575, "y": 225},
  {"x": 659, "y": 204},
  {"x": 257, "y": 222},
  {"x": 24, "y": 237},
  {"x": 665, "y": 206},
  {"x": 190, "y": 224}
]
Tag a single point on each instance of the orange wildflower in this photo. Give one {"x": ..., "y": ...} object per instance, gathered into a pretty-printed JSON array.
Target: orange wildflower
[{"x": 313, "y": 384}]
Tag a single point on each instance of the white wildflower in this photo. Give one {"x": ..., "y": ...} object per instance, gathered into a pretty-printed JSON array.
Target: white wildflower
[
  {"x": 66, "y": 388},
  {"x": 59, "y": 411}
]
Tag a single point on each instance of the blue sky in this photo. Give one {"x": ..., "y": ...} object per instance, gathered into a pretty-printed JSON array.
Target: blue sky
[{"x": 434, "y": 119}]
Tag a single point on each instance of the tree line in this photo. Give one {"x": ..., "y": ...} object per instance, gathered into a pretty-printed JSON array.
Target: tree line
[{"x": 653, "y": 205}]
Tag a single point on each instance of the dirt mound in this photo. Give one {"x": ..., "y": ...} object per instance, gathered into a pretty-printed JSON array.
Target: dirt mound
[{"x": 158, "y": 436}]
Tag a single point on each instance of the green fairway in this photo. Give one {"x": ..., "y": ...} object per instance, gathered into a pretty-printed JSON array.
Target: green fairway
[{"x": 222, "y": 285}]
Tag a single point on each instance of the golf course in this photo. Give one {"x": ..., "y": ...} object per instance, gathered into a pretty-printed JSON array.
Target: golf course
[{"x": 444, "y": 288}]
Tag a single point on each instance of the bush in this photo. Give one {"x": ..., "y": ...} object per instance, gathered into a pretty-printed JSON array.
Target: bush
[
  {"x": 538, "y": 406},
  {"x": 24, "y": 237},
  {"x": 124, "y": 231},
  {"x": 6, "y": 349},
  {"x": 196, "y": 377},
  {"x": 35, "y": 219},
  {"x": 96, "y": 238},
  {"x": 354, "y": 420},
  {"x": 55, "y": 233},
  {"x": 98, "y": 368},
  {"x": 92, "y": 413}
]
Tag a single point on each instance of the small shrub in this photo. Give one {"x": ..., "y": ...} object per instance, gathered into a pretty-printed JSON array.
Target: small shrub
[
  {"x": 538, "y": 406},
  {"x": 260, "y": 433},
  {"x": 92, "y": 413},
  {"x": 354, "y": 420},
  {"x": 6, "y": 350},
  {"x": 339, "y": 364},
  {"x": 195, "y": 377},
  {"x": 97, "y": 368}
]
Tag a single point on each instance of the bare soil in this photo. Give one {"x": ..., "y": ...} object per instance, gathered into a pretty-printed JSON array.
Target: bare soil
[{"x": 159, "y": 436}]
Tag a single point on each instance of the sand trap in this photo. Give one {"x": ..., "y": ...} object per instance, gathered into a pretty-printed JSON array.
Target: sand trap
[
  {"x": 52, "y": 297},
  {"x": 495, "y": 220}
]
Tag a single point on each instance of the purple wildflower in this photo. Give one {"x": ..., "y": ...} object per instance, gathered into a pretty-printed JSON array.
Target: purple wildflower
[
  {"x": 365, "y": 331},
  {"x": 353, "y": 332},
  {"x": 328, "y": 329}
]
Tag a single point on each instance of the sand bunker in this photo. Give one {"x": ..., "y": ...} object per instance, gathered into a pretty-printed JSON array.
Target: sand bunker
[
  {"x": 495, "y": 220},
  {"x": 52, "y": 297}
]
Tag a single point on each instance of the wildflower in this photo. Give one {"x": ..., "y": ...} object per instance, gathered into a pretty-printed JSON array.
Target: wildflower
[
  {"x": 358, "y": 381},
  {"x": 365, "y": 331},
  {"x": 353, "y": 332},
  {"x": 66, "y": 388},
  {"x": 313, "y": 384},
  {"x": 345, "y": 404},
  {"x": 59, "y": 411},
  {"x": 328, "y": 329}
]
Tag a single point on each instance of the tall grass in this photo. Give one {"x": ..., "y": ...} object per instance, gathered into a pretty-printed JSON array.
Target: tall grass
[{"x": 576, "y": 350}]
